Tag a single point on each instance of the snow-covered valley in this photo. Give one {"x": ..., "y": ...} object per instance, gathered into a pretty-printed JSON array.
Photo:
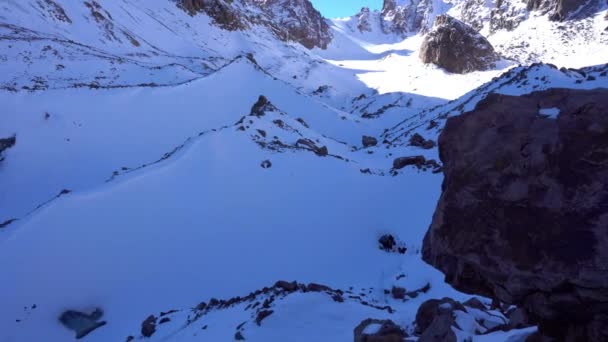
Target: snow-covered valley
[{"x": 161, "y": 161}]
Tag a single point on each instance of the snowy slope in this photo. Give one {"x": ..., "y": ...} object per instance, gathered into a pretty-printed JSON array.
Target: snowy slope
[{"x": 145, "y": 178}]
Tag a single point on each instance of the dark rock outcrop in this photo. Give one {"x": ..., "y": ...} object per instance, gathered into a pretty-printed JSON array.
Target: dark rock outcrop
[
  {"x": 386, "y": 331},
  {"x": 369, "y": 141},
  {"x": 419, "y": 141},
  {"x": 308, "y": 144},
  {"x": 148, "y": 326},
  {"x": 419, "y": 162},
  {"x": 298, "y": 20},
  {"x": 456, "y": 47},
  {"x": 523, "y": 216},
  {"x": 5, "y": 144},
  {"x": 81, "y": 323},
  {"x": 560, "y": 10},
  {"x": 222, "y": 12}
]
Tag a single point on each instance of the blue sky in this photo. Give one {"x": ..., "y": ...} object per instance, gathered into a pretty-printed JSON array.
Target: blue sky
[{"x": 344, "y": 8}]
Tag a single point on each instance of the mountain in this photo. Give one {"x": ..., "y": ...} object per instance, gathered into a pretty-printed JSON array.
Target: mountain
[{"x": 224, "y": 170}]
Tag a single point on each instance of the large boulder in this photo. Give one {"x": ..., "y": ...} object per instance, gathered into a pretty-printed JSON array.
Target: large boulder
[
  {"x": 523, "y": 216},
  {"x": 457, "y": 47}
]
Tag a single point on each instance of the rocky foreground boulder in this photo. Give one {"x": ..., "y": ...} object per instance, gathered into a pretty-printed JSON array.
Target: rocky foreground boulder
[
  {"x": 523, "y": 214},
  {"x": 457, "y": 47}
]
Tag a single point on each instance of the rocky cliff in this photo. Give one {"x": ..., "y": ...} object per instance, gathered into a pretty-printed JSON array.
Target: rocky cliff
[
  {"x": 523, "y": 216},
  {"x": 289, "y": 20}
]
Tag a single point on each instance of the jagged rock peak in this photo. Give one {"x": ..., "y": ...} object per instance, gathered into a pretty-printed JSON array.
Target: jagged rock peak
[
  {"x": 289, "y": 20},
  {"x": 408, "y": 16},
  {"x": 523, "y": 213},
  {"x": 457, "y": 47},
  {"x": 563, "y": 9},
  {"x": 364, "y": 20},
  {"x": 298, "y": 20}
]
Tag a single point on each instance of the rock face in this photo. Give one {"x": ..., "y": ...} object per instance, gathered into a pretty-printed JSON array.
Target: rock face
[
  {"x": 456, "y": 47},
  {"x": 523, "y": 216},
  {"x": 289, "y": 20},
  {"x": 221, "y": 11},
  {"x": 298, "y": 20},
  {"x": 560, "y": 9},
  {"x": 402, "y": 17},
  {"x": 364, "y": 20}
]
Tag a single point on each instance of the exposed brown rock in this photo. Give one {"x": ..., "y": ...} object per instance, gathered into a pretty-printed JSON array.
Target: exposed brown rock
[
  {"x": 523, "y": 216},
  {"x": 457, "y": 47}
]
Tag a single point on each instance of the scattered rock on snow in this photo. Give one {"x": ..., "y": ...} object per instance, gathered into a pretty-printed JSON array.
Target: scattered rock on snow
[
  {"x": 81, "y": 323},
  {"x": 266, "y": 164},
  {"x": 262, "y": 315},
  {"x": 6, "y": 143},
  {"x": 419, "y": 141},
  {"x": 388, "y": 243},
  {"x": 148, "y": 326},
  {"x": 261, "y": 106},
  {"x": 369, "y": 141},
  {"x": 398, "y": 292},
  {"x": 419, "y": 162},
  {"x": 310, "y": 145}
]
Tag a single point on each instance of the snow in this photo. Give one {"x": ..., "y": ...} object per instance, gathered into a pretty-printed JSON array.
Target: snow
[
  {"x": 168, "y": 204},
  {"x": 551, "y": 113}
]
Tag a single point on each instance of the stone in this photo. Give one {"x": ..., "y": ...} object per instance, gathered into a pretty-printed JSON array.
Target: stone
[
  {"x": 523, "y": 213},
  {"x": 368, "y": 141},
  {"x": 262, "y": 315},
  {"x": 81, "y": 323},
  {"x": 375, "y": 330},
  {"x": 456, "y": 47},
  {"x": 286, "y": 286},
  {"x": 266, "y": 164},
  {"x": 429, "y": 310},
  {"x": 401, "y": 162},
  {"x": 419, "y": 141},
  {"x": 398, "y": 292},
  {"x": 310, "y": 145},
  {"x": 387, "y": 242},
  {"x": 148, "y": 326},
  {"x": 312, "y": 287}
]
